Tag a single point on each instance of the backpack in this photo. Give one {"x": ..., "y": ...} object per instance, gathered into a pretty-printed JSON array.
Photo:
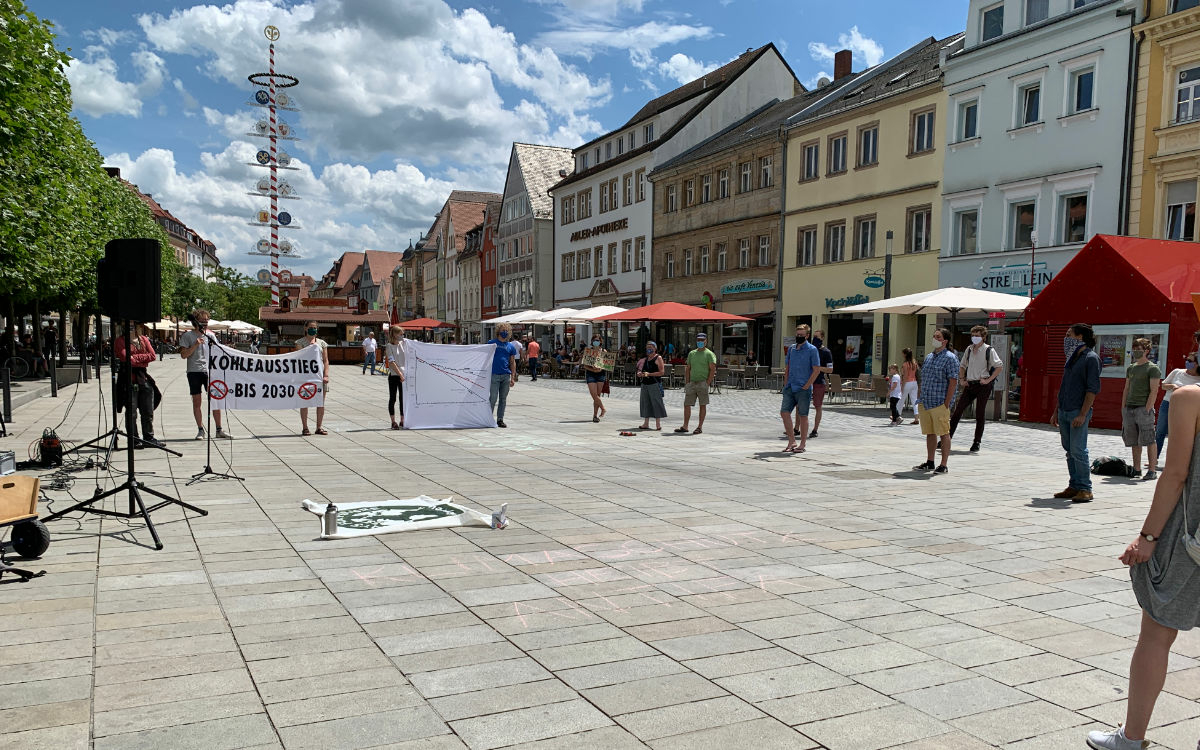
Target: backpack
[
  {"x": 987, "y": 357},
  {"x": 1111, "y": 466}
]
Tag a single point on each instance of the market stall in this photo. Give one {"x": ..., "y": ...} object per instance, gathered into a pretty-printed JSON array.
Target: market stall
[{"x": 1126, "y": 288}]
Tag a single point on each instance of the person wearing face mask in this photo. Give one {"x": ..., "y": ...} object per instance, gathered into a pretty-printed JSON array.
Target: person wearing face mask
[
  {"x": 596, "y": 377},
  {"x": 939, "y": 381},
  {"x": 1137, "y": 414},
  {"x": 820, "y": 386},
  {"x": 981, "y": 365},
  {"x": 698, "y": 374},
  {"x": 310, "y": 339},
  {"x": 650, "y": 370},
  {"x": 1189, "y": 374},
  {"x": 802, "y": 365},
  {"x": 1076, "y": 394},
  {"x": 394, "y": 361},
  {"x": 504, "y": 370}
]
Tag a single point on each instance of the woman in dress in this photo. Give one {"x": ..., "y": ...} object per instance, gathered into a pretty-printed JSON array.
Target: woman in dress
[
  {"x": 595, "y": 377},
  {"x": 650, "y": 370},
  {"x": 394, "y": 352},
  {"x": 1166, "y": 580}
]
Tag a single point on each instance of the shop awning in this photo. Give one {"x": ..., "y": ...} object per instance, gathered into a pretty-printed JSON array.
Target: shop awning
[
  {"x": 673, "y": 311},
  {"x": 424, "y": 324}
]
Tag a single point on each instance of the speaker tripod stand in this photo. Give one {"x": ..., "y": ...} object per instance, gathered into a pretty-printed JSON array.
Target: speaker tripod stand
[
  {"x": 131, "y": 486},
  {"x": 109, "y": 439},
  {"x": 207, "y": 471}
]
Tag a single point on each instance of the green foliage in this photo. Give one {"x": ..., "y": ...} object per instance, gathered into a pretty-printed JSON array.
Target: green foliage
[{"x": 243, "y": 295}]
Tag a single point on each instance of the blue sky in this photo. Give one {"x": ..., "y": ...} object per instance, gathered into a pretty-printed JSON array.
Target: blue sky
[{"x": 404, "y": 100}]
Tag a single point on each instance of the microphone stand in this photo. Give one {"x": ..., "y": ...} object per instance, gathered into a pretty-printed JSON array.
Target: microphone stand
[{"x": 207, "y": 471}]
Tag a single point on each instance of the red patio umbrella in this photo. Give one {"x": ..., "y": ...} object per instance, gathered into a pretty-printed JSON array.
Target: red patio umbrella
[
  {"x": 424, "y": 324},
  {"x": 673, "y": 312}
]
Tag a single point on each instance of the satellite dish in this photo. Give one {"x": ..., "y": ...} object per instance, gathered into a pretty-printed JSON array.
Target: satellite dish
[
  {"x": 283, "y": 158},
  {"x": 264, "y": 185},
  {"x": 264, "y": 246},
  {"x": 281, "y": 99},
  {"x": 822, "y": 82}
]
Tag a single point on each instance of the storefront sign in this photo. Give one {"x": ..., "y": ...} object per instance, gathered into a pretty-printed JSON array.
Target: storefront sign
[
  {"x": 854, "y": 299},
  {"x": 612, "y": 226},
  {"x": 748, "y": 285},
  {"x": 1014, "y": 278},
  {"x": 875, "y": 282}
]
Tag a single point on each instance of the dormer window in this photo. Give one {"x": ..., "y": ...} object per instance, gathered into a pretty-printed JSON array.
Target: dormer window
[{"x": 992, "y": 22}]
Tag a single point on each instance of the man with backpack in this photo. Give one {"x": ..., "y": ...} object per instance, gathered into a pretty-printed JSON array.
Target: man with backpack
[{"x": 980, "y": 367}]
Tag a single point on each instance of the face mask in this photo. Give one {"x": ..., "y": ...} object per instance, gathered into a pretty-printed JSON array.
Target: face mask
[
  {"x": 799, "y": 340},
  {"x": 650, "y": 352},
  {"x": 1070, "y": 344},
  {"x": 311, "y": 331},
  {"x": 503, "y": 335},
  {"x": 977, "y": 340},
  {"x": 817, "y": 343},
  {"x": 699, "y": 344},
  {"x": 1190, "y": 365},
  {"x": 595, "y": 342},
  {"x": 938, "y": 343}
]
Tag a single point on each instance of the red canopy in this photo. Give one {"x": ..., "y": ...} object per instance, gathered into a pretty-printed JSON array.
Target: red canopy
[
  {"x": 674, "y": 311},
  {"x": 421, "y": 324}
]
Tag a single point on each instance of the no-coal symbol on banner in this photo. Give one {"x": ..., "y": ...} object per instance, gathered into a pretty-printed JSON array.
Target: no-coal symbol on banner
[{"x": 260, "y": 381}]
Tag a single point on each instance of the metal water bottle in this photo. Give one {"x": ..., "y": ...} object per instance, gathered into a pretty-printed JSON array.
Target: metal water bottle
[{"x": 329, "y": 520}]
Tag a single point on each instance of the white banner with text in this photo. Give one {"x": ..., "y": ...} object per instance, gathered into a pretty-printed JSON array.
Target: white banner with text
[{"x": 241, "y": 380}]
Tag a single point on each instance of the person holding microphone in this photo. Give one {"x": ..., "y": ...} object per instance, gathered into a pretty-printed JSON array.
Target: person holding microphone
[{"x": 194, "y": 348}]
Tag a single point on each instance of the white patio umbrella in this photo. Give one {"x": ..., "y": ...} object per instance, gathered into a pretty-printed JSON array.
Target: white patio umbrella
[
  {"x": 588, "y": 314},
  {"x": 518, "y": 317},
  {"x": 551, "y": 317},
  {"x": 218, "y": 325},
  {"x": 953, "y": 300}
]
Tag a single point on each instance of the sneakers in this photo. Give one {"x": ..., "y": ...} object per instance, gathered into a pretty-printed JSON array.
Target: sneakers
[
  {"x": 927, "y": 466},
  {"x": 943, "y": 469},
  {"x": 223, "y": 434},
  {"x": 1114, "y": 740},
  {"x": 200, "y": 434},
  {"x": 1136, "y": 473},
  {"x": 500, "y": 423},
  {"x": 1082, "y": 496},
  {"x": 812, "y": 434},
  {"x": 974, "y": 447},
  {"x": 1067, "y": 493},
  {"x": 1150, "y": 475}
]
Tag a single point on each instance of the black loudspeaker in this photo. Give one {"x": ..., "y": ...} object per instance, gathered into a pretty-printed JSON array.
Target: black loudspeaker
[{"x": 129, "y": 280}]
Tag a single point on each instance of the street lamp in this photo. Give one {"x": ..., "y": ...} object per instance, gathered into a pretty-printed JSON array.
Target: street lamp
[{"x": 887, "y": 293}]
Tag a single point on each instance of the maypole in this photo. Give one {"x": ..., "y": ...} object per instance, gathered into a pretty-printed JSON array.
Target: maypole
[{"x": 273, "y": 129}]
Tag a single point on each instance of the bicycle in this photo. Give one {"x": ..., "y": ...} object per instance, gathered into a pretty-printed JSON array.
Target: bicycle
[{"x": 17, "y": 367}]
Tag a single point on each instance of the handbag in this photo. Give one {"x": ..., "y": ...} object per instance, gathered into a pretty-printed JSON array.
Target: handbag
[
  {"x": 1189, "y": 542},
  {"x": 604, "y": 388}
]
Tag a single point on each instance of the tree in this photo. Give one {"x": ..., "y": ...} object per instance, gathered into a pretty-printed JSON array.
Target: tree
[{"x": 243, "y": 296}]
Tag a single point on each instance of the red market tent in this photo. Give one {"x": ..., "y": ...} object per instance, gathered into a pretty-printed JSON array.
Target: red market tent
[
  {"x": 1126, "y": 288},
  {"x": 672, "y": 312},
  {"x": 424, "y": 324}
]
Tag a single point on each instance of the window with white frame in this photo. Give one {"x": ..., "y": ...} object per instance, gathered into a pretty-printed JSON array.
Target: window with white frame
[
  {"x": 628, "y": 182},
  {"x": 620, "y": 145},
  {"x": 568, "y": 209},
  {"x": 766, "y": 174},
  {"x": 703, "y": 258},
  {"x": 806, "y": 246},
  {"x": 1081, "y": 91},
  {"x": 722, "y": 259},
  {"x": 647, "y": 132},
  {"x": 812, "y": 162},
  {"x": 670, "y": 265},
  {"x": 919, "y": 227},
  {"x": 706, "y": 188},
  {"x": 1029, "y": 104},
  {"x": 723, "y": 184},
  {"x": 640, "y": 176},
  {"x": 672, "y": 198},
  {"x": 1022, "y": 222},
  {"x": 641, "y": 252},
  {"x": 632, "y": 140},
  {"x": 608, "y": 151},
  {"x": 1036, "y": 11},
  {"x": 1074, "y": 211},
  {"x": 868, "y": 146},
  {"x": 627, "y": 256},
  {"x": 835, "y": 242},
  {"x": 603, "y": 198},
  {"x": 1187, "y": 95},
  {"x": 585, "y": 263},
  {"x": 966, "y": 231},
  {"x": 612, "y": 258},
  {"x": 598, "y": 258},
  {"x": 584, "y": 199},
  {"x": 837, "y": 154},
  {"x": 991, "y": 22},
  {"x": 747, "y": 170},
  {"x": 968, "y": 120},
  {"x": 689, "y": 193},
  {"x": 568, "y": 270},
  {"x": 764, "y": 250},
  {"x": 864, "y": 237},
  {"x": 744, "y": 252},
  {"x": 1181, "y": 210},
  {"x": 583, "y": 161},
  {"x": 922, "y": 132},
  {"x": 613, "y": 195},
  {"x": 597, "y": 155},
  {"x": 687, "y": 262}
]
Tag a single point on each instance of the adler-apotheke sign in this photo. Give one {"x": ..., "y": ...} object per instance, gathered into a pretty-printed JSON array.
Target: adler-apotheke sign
[
  {"x": 612, "y": 226},
  {"x": 748, "y": 285}
]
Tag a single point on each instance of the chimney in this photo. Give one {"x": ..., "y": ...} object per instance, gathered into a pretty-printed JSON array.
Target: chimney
[
  {"x": 843, "y": 63},
  {"x": 113, "y": 172}
]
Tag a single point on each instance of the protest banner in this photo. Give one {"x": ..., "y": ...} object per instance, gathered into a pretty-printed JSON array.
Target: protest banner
[
  {"x": 447, "y": 386},
  {"x": 604, "y": 360},
  {"x": 241, "y": 380}
]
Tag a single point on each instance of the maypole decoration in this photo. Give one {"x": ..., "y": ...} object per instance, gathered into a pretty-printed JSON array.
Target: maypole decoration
[{"x": 274, "y": 129}]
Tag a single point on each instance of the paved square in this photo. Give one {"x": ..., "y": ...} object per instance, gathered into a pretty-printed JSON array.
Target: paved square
[{"x": 660, "y": 590}]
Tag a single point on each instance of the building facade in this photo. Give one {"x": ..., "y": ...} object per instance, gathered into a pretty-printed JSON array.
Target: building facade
[
  {"x": 862, "y": 203},
  {"x": 488, "y": 270},
  {"x": 462, "y": 211},
  {"x": 1166, "y": 132},
  {"x": 468, "y": 274},
  {"x": 525, "y": 232},
  {"x": 375, "y": 283},
  {"x": 1035, "y": 139},
  {"x": 604, "y": 210}
]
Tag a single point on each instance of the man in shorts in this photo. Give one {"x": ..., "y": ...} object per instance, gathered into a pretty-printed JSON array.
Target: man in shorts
[
  {"x": 698, "y": 376},
  {"x": 1137, "y": 413},
  {"x": 939, "y": 381},
  {"x": 801, "y": 369},
  {"x": 194, "y": 348}
]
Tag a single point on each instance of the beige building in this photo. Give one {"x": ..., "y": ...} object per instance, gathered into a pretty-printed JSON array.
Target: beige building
[
  {"x": 862, "y": 207},
  {"x": 469, "y": 287}
]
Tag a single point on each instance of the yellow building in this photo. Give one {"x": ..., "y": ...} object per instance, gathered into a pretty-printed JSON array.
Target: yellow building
[
  {"x": 1166, "y": 133},
  {"x": 864, "y": 179}
]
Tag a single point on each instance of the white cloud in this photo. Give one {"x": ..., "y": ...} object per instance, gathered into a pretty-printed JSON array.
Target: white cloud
[
  {"x": 865, "y": 49},
  {"x": 683, "y": 69},
  {"x": 109, "y": 37},
  {"x": 97, "y": 89},
  {"x": 190, "y": 104},
  {"x": 587, "y": 39}
]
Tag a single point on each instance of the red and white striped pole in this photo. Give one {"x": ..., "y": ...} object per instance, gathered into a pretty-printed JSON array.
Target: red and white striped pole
[{"x": 274, "y": 187}]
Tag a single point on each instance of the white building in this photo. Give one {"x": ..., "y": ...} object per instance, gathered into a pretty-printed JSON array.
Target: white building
[
  {"x": 603, "y": 217},
  {"x": 1035, "y": 138}
]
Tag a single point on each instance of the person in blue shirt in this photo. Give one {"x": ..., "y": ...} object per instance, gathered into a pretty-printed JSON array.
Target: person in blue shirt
[
  {"x": 504, "y": 370},
  {"x": 1079, "y": 388},
  {"x": 939, "y": 381},
  {"x": 802, "y": 366}
]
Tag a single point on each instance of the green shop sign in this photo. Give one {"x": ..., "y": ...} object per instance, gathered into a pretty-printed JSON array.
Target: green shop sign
[{"x": 749, "y": 285}]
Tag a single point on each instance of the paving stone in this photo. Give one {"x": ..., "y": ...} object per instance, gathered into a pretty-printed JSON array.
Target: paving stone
[
  {"x": 619, "y": 672},
  {"x": 871, "y": 730},
  {"x": 595, "y": 652},
  {"x": 710, "y": 644},
  {"x": 478, "y": 676},
  {"x": 175, "y": 713},
  {"x": 688, "y": 717},
  {"x": 963, "y": 698},
  {"x": 824, "y": 704},
  {"x": 495, "y": 700},
  {"x": 652, "y": 692},
  {"x": 758, "y": 734},
  {"x": 529, "y": 724},
  {"x": 219, "y": 734}
]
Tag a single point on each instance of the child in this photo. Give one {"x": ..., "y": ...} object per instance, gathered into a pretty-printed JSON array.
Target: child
[{"x": 894, "y": 392}]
